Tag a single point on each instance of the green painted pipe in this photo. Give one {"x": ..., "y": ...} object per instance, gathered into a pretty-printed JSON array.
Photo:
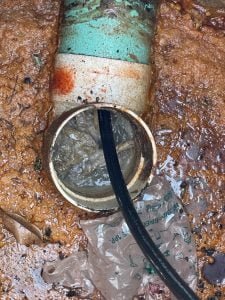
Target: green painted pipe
[
  {"x": 105, "y": 53},
  {"x": 115, "y": 29}
]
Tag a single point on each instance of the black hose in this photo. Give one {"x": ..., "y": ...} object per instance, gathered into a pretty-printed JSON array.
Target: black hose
[{"x": 167, "y": 273}]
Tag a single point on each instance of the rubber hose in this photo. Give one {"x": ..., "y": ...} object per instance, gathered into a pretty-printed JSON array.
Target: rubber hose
[{"x": 167, "y": 273}]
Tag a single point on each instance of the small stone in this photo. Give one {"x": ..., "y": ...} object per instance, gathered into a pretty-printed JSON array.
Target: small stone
[
  {"x": 214, "y": 272},
  {"x": 38, "y": 164},
  {"x": 61, "y": 255},
  {"x": 27, "y": 80},
  {"x": 209, "y": 251},
  {"x": 201, "y": 284},
  {"x": 183, "y": 185},
  {"x": 72, "y": 293},
  {"x": 220, "y": 226},
  {"x": 48, "y": 232}
]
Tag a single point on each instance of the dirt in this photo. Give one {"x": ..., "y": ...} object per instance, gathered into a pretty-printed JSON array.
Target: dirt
[{"x": 186, "y": 114}]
